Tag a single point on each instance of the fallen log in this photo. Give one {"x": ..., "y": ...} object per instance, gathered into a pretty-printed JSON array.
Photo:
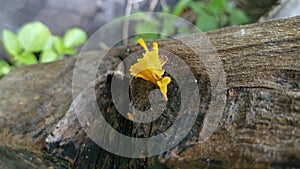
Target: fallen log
[{"x": 259, "y": 127}]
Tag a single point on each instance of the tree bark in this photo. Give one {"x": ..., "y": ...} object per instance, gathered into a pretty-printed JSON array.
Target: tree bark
[{"x": 259, "y": 127}]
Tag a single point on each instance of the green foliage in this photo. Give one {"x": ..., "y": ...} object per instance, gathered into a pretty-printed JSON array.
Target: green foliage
[
  {"x": 210, "y": 16},
  {"x": 74, "y": 37},
  {"x": 180, "y": 6},
  {"x": 34, "y": 43},
  {"x": 215, "y": 14},
  {"x": 237, "y": 16},
  {"x": 146, "y": 26},
  {"x": 26, "y": 58},
  {"x": 4, "y": 67},
  {"x": 11, "y": 43},
  {"x": 34, "y": 36},
  {"x": 49, "y": 56}
]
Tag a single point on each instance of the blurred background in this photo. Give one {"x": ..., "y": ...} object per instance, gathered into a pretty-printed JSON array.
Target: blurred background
[
  {"x": 59, "y": 15},
  {"x": 90, "y": 15}
]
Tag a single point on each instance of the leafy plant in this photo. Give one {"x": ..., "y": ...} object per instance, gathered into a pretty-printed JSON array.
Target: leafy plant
[
  {"x": 216, "y": 14},
  {"x": 34, "y": 43},
  {"x": 210, "y": 16},
  {"x": 146, "y": 25}
]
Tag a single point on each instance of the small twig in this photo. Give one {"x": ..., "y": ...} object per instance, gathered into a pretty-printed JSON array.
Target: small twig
[
  {"x": 126, "y": 22},
  {"x": 152, "y": 5},
  {"x": 163, "y": 3},
  {"x": 135, "y": 5}
]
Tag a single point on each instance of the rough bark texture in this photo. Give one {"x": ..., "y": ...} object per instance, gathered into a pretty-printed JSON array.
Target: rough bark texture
[{"x": 259, "y": 128}]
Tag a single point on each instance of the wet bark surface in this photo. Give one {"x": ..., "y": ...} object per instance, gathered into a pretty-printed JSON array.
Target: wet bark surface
[{"x": 259, "y": 127}]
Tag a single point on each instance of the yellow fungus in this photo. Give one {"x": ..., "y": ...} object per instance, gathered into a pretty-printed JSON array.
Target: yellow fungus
[
  {"x": 163, "y": 86},
  {"x": 130, "y": 116},
  {"x": 149, "y": 67}
]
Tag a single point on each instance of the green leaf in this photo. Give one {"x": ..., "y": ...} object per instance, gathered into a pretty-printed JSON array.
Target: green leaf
[
  {"x": 59, "y": 45},
  {"x": 74, "y": 37},
  {"x": 180, "y": 6},
  {"x": 70, "y": 51},
  {"x": 148, "y": 36},
  {"x": 147, "y": 27},
  {"x": 197, "y": 7},
  {"x": 238, "y": 17},
  {"x": 168, "y": 27},
  {"x": 50, "y": 43},
  {"x": 223, "y": 20},
  {"x": 166, "y": 9},
  {"x": 4, "y": 67},
  {"x": 49, "y": 56},
  {"x": 217, "y": 7},
  {"x": 34, "y": 36},
  {"x": 11, "y": 43},
  {"x": 206, "y": 22},
  {"x": 26, "y": 58}
]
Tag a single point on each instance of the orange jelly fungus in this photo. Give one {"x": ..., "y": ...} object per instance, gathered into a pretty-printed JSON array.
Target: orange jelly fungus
[{"x": 149, "y": 67}]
